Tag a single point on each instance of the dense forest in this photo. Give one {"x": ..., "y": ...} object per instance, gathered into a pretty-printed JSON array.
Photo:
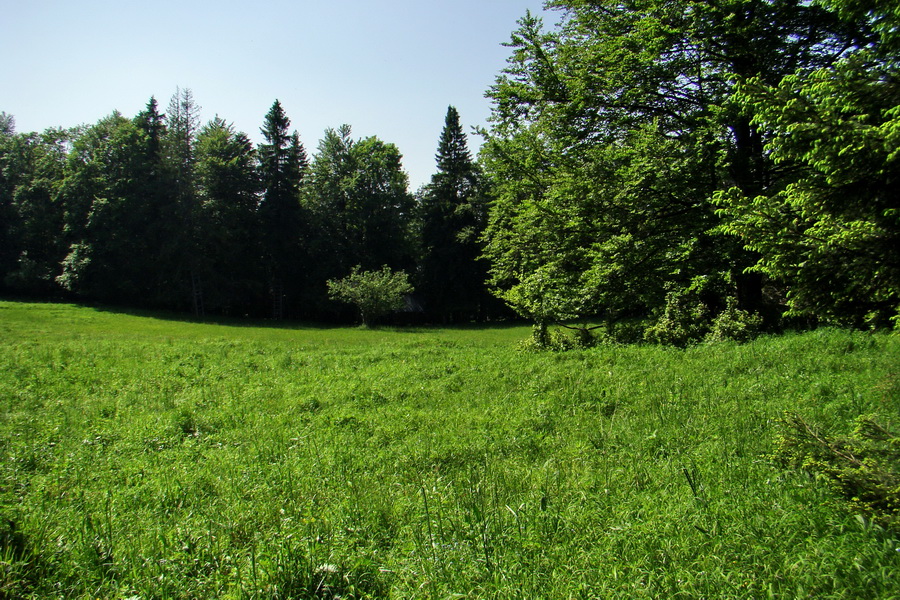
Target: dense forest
[
  {"x": 160, "y": 211},
  {"x": 694, "y": 167}
]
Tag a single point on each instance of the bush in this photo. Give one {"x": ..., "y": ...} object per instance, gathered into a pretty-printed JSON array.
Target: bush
[
  {"x": 571, "y": 338},
  {"x": 685, "y": 320},
  {"x": 624, "y": 332},
  {"x": 705, "y": 309},
  {"x": 734, "y": 324}
]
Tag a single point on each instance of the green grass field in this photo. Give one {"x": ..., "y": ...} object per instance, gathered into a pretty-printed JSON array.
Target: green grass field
[{"x": 148, "y": 458}]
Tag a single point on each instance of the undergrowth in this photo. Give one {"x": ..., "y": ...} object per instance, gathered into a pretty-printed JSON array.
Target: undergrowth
[{"x": 863, "y": 466}]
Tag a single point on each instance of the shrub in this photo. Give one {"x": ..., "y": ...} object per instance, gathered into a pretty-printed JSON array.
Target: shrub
[
  {"x": 624, "y": 332},
  {"x": 685, "y": 320},
  {"x": 705, "y": 309},
  {"x": 734, "y": 324},
  {"x": 570, "y": 338}
]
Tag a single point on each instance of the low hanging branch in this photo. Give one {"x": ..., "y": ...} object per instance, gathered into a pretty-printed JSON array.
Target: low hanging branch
[{"x": 863, "y": 467}]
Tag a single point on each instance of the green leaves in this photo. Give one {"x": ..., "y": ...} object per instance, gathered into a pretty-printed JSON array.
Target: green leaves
[
  {"x": 830, "y": 229},
  {"x": 374, "y": 293},
  {"x": 630, "y": 138},
  {"x": 607, "y": 226}
]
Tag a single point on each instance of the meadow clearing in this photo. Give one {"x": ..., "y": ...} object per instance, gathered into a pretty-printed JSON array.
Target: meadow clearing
[{"x": 145, "y": 457}]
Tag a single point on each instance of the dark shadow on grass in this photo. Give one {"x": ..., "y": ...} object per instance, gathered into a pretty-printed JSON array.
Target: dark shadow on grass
[
  {"x": 289, "y": 324},
  {"x": 220, "y": 320}
]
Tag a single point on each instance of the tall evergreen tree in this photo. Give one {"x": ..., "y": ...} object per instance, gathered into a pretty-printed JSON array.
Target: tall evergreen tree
[
  {"x": 153, "y": 123},
  {"x": 7, "y": 124},
  {"x": 176, "y": 227},
  {"x": 282, "y": 165},
  {"x": 451, "y": 278}
]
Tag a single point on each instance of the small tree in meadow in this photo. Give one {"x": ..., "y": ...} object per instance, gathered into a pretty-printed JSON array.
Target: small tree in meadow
[{"x": 374, "y": 293}]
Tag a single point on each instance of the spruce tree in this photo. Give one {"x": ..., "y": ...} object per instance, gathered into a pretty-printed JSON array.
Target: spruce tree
[
  {"x": 178, "y": 219},
  {"x": 452, "y": 210},
  {"x": 282, "y": 164},
  {"x": 154, "y": 125},
  {"x": 228, "y": 239}
]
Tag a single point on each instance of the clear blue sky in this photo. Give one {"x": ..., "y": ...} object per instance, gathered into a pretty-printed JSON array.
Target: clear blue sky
[{"x": 386, "y": 67}]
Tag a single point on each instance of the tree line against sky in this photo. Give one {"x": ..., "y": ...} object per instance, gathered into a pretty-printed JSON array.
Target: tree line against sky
[
  {"x": 665, "y": 161},
  {"x": 160, "y": 211}
]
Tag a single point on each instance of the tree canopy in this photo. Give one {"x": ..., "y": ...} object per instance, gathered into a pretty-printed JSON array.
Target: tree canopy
[
  {"x": 830, "y": 226},
  {"x": 623, "y": 137}
]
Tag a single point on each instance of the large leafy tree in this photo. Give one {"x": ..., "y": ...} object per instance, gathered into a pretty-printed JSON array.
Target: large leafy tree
[
  {"x": 452, "y": 217},
  {"x": 831, "y": 228},
  {"x": 611, "y": 133},
  {"x": 108, "y": 194},
  {"x": 282, "y": 165},
  {"x": 31, "y": 167}
]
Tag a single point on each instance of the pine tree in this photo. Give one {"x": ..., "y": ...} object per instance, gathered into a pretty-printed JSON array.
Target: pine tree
[
  {"x": 456, "y": 173},
  {"x": 179, "y": 216},
  {"x": 183, "y": 123},
  {"x": 154, "y": 125}
]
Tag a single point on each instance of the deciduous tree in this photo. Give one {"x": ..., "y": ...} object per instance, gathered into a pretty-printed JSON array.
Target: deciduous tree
[
  {"x": 831, "y": 228},
  {"x": 611, "y": 133},
  {"x": 374, "y": 293},
  {"x": 108, "y": 196},
  {"x": 358, "y": 195}
]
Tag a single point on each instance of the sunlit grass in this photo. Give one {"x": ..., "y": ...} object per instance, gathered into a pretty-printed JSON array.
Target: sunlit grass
[{"x": 147, "y": 457}]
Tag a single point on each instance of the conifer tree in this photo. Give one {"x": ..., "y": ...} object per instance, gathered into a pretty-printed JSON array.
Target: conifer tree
[
  {"x": 228, "y": 239},
  {"x": 154, "y": 125},
  {"x": 282, "y": 164},
  {"x": 452, "y": 216},
  {"x": 176, "y": 225}
]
